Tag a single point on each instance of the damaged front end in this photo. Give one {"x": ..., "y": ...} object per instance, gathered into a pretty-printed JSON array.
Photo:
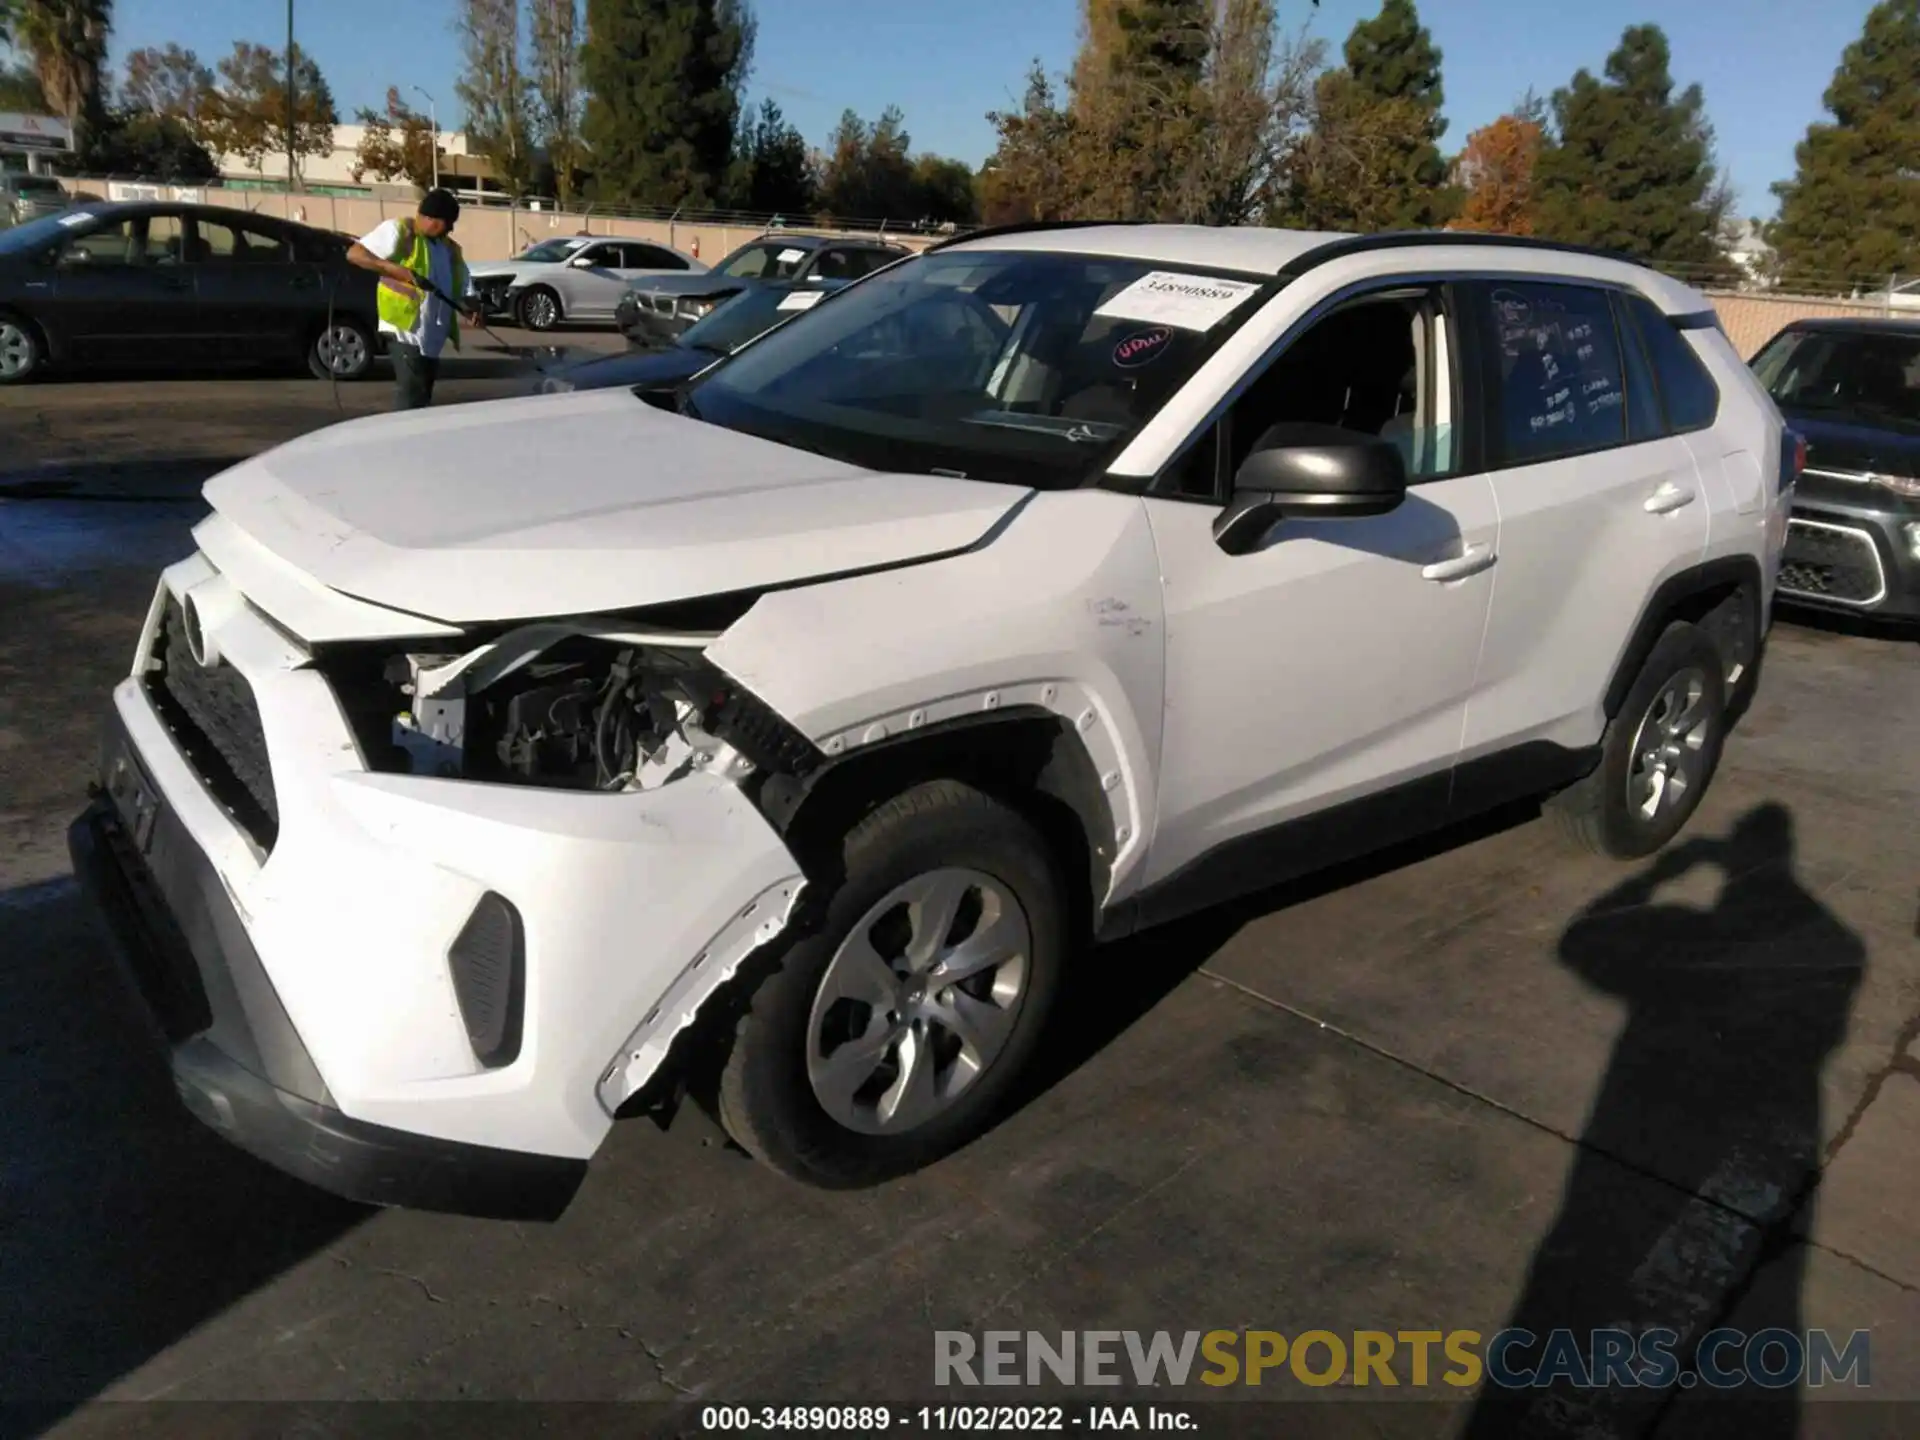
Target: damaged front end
[{"x": 590, "y": 703}]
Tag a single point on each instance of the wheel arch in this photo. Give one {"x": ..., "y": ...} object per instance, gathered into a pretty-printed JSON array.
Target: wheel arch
[
  {"x": 1711, "y": 595},
  {"x": 50, "y": 349},
  {"x": 1026, "y": 756}
]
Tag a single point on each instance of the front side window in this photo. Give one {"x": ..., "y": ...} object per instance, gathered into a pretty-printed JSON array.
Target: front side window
[
  {"x": 1378, "y": 365},
  {"x": 1559, "y": 386},
  {"x": 1874, "y": 375},
  {"x": 1019, "y": 366},
  {"x": 240, "y": 244},
  {"x": 136, "y": 240},
  {"x": 550, "y": 251}
]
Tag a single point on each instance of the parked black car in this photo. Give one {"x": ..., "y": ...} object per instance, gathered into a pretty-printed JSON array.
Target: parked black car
[
  {"x": 1851, "y": 388},
  {"x": 654, "y": 312},
  {"x": 739, "y": 320},
  {"x": 142, "y": 284}
]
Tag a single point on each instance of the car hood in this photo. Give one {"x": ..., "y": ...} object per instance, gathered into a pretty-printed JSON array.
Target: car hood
[
  {"x": 1835, "y": 444},
  {"x": 576, "y": 504},
  {"x": 666, "y": 366}
]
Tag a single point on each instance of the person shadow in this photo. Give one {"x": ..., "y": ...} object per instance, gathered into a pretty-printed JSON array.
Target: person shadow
[{"x": 1703, "y": 1144}]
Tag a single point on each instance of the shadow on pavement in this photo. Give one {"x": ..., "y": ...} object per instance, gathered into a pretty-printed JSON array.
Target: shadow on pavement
[
  {"x": 143, "y": 480},
  {"x": 1703, "y": 1142},
  {"x": 123, "y": 1224},
  {"x": 1865, "y": 627}
]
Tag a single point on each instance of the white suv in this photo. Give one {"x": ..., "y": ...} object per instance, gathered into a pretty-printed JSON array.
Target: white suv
[{"x": 779, "y": 739}]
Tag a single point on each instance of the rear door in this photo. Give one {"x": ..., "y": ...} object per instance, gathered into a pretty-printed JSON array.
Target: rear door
[
  {"x": 1599, "y": 503},
  {"x": 123, "y": 293},
  {"x": 255, "y": 300}
]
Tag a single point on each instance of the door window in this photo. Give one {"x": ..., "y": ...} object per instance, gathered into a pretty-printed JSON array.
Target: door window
[
  {"x": 1379, "y": 365},
  {"x": 653, "y": 257},
  {"x": 136, "y": 240},
  {"x": 1558, "y": 383},
  {"x": 841, "y": 263},
  {"x": 1692, "y": 399},
  {"x": 239, "y": 244},
  {"x": 603, "y": 256}
]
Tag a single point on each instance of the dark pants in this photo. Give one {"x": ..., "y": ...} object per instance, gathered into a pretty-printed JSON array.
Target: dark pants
[{"x": 413, "y": 376}]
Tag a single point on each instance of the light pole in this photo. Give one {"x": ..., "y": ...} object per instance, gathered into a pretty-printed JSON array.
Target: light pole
[{"x": 433, "y": 115}]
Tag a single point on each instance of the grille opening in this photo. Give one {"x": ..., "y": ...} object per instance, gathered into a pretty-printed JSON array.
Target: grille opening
[
  {"x": 1828, "y": 562},
  {"x": 214, "y": 719}
]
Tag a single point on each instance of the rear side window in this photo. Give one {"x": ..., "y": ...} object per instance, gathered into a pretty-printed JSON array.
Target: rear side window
[
  {"x": 1687, "y": 391},
  {"x": 652, "y": 257},
  {"x": 1558, "y": 383}
]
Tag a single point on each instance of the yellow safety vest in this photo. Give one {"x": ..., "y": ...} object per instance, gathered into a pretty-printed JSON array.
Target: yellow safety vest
[{"x": 400, "y": 304}]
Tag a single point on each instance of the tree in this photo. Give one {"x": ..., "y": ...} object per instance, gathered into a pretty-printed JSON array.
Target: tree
[
  {"x": 1371, "y": 160},
  {"x": 868, "y": 175},
  {"x": 66, "y": 43},
  {"x": 943, "y": 191},
  {"x": 396, "y": 144},
  {"x": 772, "y": 173},
  {"x": 20, "y": 90},
  {"x": 664, "y": 79},
  {"x": 494, "y": 91},
  {"x": 247, "y": 113},
  {"x": 1495, "y": 172},
  {"x": 553, "y": 30},
  {"x": 171, "y": 84},
  {"x": 154, "y": 147},
  {"x": 1632, "y": 168},
  {"x": 1171, "y": 112},
  {"x": 1852, "y": 209}
]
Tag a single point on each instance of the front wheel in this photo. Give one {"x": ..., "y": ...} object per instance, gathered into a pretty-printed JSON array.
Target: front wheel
[
  {"x": 891, "y": 1031},
  {"x": 341, "y": 351},
  {"x": 1660, "y": 752},
  {"x": 539, "y": 309},
  {"x": 21, "y": 354}
]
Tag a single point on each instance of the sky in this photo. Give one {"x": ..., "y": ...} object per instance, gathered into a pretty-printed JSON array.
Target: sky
[{"x": 1762, "y": 63}]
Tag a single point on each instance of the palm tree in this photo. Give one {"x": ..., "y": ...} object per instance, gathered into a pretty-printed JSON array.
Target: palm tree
[{"x": 67, "y": 42}]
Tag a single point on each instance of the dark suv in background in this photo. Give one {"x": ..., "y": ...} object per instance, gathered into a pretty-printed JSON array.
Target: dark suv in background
[
  {"x": 655, "y": 312},
  {"x": 1851, "y": 387}
]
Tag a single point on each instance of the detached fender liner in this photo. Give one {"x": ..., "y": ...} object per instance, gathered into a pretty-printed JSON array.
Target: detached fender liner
[{"x": 234, "y": 1055}]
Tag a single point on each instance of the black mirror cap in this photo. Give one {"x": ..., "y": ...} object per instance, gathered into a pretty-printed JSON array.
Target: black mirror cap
[{"x": 1318, "y": 472}]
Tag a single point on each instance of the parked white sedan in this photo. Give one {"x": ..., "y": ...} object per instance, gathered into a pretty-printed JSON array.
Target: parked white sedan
[{"x": 577, "y": 277}]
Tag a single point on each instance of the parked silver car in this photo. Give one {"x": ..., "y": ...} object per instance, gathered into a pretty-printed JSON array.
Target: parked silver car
[{"x": 26, "y": 197}]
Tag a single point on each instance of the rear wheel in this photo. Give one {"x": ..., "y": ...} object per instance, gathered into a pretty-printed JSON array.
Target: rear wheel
[
  {"x": 343, "y": 350},
  {"x": 1660, "y": 753},
  {"x": 21, "y": 351},
  {"x": 889, "y": 1033},
  {"x": 539, "y": 309}
]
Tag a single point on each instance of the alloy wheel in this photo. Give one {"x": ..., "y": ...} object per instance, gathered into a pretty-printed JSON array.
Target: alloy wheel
[
  {"x": 17, "y": 350},
  {"x": 1669, "y": 754},
  {"x": 343, "y": 350},
  {"x": 918, "y": 1001}
]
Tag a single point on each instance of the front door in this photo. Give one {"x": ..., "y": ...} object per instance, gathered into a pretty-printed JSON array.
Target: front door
[
  {"x": 591, "y": 283},
  {"x": 1334, "y": 663},
  {"x": 124, "y": 294}
]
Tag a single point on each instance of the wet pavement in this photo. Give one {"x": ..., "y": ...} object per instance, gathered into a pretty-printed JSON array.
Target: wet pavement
[{"x": 1475, "y": 1083}]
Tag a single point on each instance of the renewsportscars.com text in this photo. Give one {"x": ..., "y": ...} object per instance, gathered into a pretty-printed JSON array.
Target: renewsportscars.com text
[{"x": 1461, "y": 1359}]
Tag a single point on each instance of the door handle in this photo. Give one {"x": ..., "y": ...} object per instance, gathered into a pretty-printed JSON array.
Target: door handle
[
  {"x": 1470, "y": 561},
  {"x": 1668, "y": 498}
]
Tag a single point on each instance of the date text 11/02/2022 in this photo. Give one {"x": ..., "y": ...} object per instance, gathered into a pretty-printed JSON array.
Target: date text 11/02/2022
[{"x": 928, "y": 1419}]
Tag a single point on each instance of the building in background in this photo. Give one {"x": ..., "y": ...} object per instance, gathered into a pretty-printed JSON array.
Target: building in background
[
  {"x": 468, "y": 175},
  {"x": 26, "y": 141}
]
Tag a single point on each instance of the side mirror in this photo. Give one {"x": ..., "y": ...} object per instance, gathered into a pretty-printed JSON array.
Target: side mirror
[
  {"x": 1318, "y": 472},
  {"x": 582, "y": 262}
]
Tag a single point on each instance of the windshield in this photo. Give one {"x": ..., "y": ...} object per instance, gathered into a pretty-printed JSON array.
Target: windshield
[
  {"x": 1874, "y": 375},
  {"x": 35, "y": 234},
  {"x": 34, "y": 184},
  {"x": 763, "y": 262},
  {"x": 553, "y": 249},
  {"x": 745, "y": 316},
  {"x": 1018, "y": 366}
]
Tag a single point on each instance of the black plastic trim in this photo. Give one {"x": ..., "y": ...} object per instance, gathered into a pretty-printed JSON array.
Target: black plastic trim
[
  {"x": 1447, "y": 239},
  {"x": 1695, "y": 320},
  {"x": 1666, "y": 602},
  {"x": 1024, "y": 227}
]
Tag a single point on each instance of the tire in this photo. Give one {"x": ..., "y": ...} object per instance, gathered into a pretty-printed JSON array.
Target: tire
[
  {"x": 342, "y": 352},
  {"x": 783, "y": 1098},
  {"x": 537, "y": 309},
  {"x": 1659, "y": 755},
  {"x": 22, "y": 352}
]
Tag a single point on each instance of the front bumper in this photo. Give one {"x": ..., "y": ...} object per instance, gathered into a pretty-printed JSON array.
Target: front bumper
[
  {"x": 648, "y": 327},
  {"x": 1860, "y": 558},
  {"x": 302, "y": 971}
]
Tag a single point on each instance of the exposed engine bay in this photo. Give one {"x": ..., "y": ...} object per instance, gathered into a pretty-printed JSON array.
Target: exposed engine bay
[{"x": 575, "y": 704}]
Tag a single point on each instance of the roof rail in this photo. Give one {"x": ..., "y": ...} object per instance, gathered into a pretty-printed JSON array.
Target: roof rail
[
  {"x": 1401, "y": 239},
  {"x": 1022, "y": 227}
]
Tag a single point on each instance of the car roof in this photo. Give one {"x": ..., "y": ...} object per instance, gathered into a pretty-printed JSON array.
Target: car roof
[
  {"x": 1859, "y": 324},
  {"x": 1263, "y": 250},
  {"x": 810, "y": 240},
  {"x": 106, "y": 209}
]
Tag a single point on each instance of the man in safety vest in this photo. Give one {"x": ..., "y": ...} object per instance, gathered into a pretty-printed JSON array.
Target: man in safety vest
[{"x": 417, "y": 319}]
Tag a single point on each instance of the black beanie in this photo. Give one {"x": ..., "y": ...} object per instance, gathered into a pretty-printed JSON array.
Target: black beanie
[{"x": 440, "y": 205}]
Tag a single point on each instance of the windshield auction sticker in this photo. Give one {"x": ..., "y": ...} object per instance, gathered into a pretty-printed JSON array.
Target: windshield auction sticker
[
  {"x": 800, "y": 300},
  {"x": 1167, "y": 297}
]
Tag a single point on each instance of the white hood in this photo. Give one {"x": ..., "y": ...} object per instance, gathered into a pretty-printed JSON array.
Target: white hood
[{"x": 577, "y": 504}]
